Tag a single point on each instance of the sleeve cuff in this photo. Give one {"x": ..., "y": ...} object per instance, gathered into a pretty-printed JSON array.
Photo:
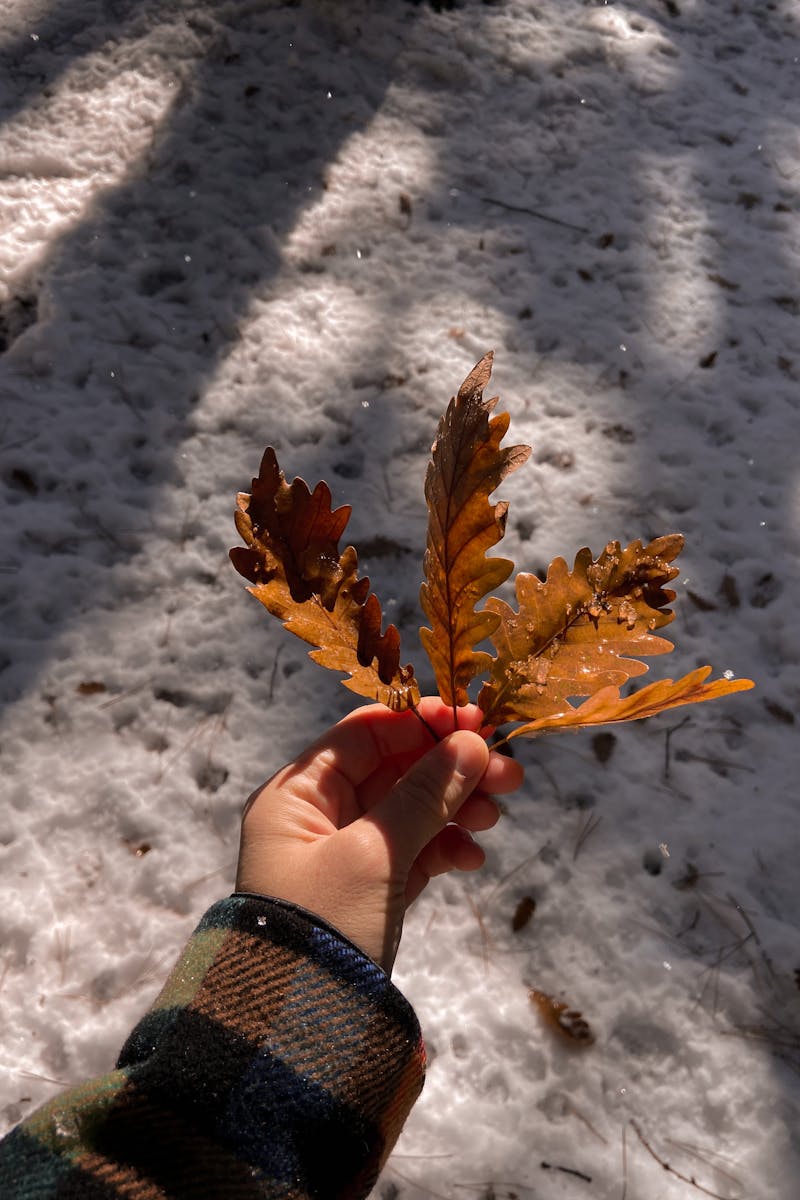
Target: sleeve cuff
[{"x": 286, "y": 1043}]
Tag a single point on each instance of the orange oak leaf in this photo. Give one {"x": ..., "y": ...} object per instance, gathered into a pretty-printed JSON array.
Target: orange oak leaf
[
  {"x": 567, "y": 1022},
  {"x": 580, "y": 630},
  {"x": 579, "y": 635},
  {"x": 292, "y": 559},
  {"x": 466, "y": 466},
  {"x": 608, "y": 706}
]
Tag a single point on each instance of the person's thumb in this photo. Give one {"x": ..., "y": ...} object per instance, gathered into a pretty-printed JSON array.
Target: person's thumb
[{"x": 430, "y": 794}]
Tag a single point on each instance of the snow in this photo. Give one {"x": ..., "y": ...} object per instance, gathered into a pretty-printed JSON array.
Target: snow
[{"x": 227, "y": 225}]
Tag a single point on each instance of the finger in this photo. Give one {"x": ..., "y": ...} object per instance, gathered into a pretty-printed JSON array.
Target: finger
[
  {"x": 440, "y": 716},
  {"x": 503, "y": 774},
  {"x": 478, "y": 813},
  {"x": 362, "y": 740},
  {"x": 429, "y": 795},
  {"x": 366, "y": 737},
  {"x": 375, "y": 787},
  {"x": 451, "y": 850}
]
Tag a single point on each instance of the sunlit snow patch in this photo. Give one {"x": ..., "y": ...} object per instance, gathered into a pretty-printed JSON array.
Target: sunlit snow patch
[{"x": 57, "y": 158}]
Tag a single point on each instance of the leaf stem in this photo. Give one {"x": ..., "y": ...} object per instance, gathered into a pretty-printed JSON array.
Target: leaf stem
[
  {"x": 421, "y": 719},
  {"x": 505, "y": 741}
]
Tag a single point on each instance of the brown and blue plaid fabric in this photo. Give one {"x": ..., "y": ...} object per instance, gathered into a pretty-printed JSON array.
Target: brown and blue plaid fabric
[{"x": 277, "y": 1062}]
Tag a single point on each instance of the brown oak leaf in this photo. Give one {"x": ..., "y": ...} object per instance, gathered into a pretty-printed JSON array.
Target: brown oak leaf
[
  {"x": 292, "y": 559},
  {"x": 580, "y": 633},
  {"x": 579, "y": 630},
  {"x": 608, "y": 706},
  {"x": 466, "y": 466},
  {"x": 567, "y": 1022}
]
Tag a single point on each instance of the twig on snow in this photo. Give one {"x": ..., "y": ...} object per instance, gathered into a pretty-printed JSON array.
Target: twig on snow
[
  {"x": 690, "y": 1179},
  {"x": 586, "y": 828},
  {"x": 534, "y": 212},
  {"x": 667, "y": 736},
  {"x": 546, "y": 1166},
  {"x": 486, "y": 941},
  {"x": 707, "y": 1157}
]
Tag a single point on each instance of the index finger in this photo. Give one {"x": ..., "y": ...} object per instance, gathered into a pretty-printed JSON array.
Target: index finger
[{"x": 366, "y": 737}]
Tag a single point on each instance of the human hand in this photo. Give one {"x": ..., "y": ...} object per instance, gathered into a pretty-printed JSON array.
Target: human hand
[{"x": 355, "y": 827}]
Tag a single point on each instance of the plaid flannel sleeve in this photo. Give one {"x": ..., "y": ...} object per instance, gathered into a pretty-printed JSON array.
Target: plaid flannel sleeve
[{"x": 278, "y": 1061}]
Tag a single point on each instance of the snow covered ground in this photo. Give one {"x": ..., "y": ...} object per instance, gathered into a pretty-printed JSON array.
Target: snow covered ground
[{"x": 228, "y": 223}]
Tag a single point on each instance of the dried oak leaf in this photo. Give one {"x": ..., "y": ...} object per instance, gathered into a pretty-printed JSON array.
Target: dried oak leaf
[
  {"x": 466, "y": 466},
  {"x": 292, "y": 559},
  {"x": 576, "y": 634},
  {"x": 608, "y": 706},
  {"x": 580, "y": 633},
  {"x": 579, "y": 630},
  {"x": 90, "y": 687},
  {"x": 563, "y": 1020},
  {"x": 523, "y": 913}
]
